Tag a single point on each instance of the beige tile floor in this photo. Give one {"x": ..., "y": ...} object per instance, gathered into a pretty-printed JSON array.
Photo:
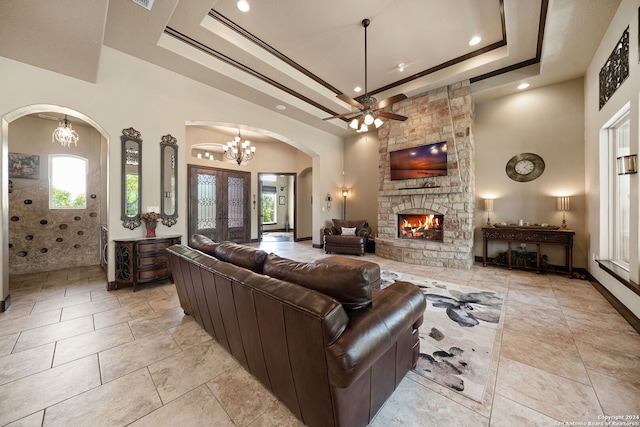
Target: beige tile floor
[{"x": 74, "y": 354}]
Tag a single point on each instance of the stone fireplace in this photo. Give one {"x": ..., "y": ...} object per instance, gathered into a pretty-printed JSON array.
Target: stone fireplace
[
  {"x": 444, "y": 114},
  {"x": 420, "y": 226}
]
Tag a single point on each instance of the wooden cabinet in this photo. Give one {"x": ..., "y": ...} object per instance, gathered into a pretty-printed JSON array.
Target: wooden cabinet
[{"x": 142, "y": 259}]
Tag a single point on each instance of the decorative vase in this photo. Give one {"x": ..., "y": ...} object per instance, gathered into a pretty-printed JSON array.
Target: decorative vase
[{"x": 150, "y": 225}]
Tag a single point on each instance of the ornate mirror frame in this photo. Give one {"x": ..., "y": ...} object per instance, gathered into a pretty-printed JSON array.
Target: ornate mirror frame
[
  {"x": 131, "y": 198},
  {"x": 169, "y": 180}
]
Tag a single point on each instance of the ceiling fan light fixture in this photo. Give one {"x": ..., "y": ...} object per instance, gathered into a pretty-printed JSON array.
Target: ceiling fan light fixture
[
  {"x": 363, "y": 128},
  {"x": 378, "y": 122},
  {"x": 368, "y": 119},
  {"x": 354, "y": 124}
]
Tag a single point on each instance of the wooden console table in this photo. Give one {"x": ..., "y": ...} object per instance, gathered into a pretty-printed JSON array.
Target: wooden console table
[
  {"x": 536, "y": 235},
  {"x": 142, "y": 259}
]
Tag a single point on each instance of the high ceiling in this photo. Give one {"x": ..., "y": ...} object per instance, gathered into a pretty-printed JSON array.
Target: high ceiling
[{"x": 301, "y": 54}]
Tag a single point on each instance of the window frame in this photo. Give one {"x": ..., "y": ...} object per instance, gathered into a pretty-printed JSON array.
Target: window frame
[{"x": 615, "y": 202}]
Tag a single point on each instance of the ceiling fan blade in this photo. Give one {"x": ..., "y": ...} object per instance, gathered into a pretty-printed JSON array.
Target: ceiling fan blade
[
  {"x": 389, "y": 101},
  {"x": 339, "y": 116},
  {"x": 350, "y": 101},
  {"x": 392, "y": 116}
]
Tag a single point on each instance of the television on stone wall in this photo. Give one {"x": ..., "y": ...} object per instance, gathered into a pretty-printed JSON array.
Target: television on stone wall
[{"x": 425, "y": 161}]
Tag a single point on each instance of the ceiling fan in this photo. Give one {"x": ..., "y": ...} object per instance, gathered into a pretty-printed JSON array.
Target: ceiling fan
[{"x": 369, "y": 107}]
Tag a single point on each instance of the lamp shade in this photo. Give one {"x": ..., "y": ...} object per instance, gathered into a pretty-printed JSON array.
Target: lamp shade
[
  {"x": 488, "y": 205},
  {"x": 563, "y": 203}
]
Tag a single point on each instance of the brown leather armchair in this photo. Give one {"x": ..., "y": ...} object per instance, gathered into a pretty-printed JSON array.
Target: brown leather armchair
[{"x": 347, "y": 236}]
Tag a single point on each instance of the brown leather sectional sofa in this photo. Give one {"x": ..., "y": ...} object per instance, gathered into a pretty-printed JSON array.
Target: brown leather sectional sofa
[{"x": 327, "y": 348}]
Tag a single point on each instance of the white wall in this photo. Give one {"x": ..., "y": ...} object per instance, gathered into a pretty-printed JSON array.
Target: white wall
[
  {"x": 595, "y": 120},
  {"x": 549, "y": 122},
  {"x": 160, "y": 103}
]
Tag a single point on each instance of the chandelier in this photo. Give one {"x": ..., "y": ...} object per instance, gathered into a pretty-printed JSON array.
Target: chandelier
[
  {"x": 238, "y": 150},
  {"x": 65, "y": 134}
]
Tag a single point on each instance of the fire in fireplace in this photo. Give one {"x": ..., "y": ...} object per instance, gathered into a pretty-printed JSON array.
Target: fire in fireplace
[{"x": 421, "y": 227}]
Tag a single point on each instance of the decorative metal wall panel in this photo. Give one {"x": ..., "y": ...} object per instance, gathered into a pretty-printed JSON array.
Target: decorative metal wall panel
[
  {"x": 616, "y": 70},
  {"x": 207, "y": 201},
  {"x": 236, "y": 202}
]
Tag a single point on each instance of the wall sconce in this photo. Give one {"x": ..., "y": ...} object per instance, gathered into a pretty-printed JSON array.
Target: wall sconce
[
  {"x": 488, "y": 206},
  {"x": 563, "y": 204},
  {"x": 345, "y": 193},
  {"x": 627, "y": 164}
]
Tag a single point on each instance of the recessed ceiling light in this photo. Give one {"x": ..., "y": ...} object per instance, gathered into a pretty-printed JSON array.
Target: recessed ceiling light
[
  {"x": 474, "y": 41},
  {"x": 400, "y": 66},
  {"x": 280, "y": 107},
  {"x": 523, "y": 86},
  {"x": 357, "y": 89},
  {"x": 243, "y": 5}
]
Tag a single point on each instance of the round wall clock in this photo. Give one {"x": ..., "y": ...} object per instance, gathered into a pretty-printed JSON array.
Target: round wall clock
[{"x": 525, "y": 167}]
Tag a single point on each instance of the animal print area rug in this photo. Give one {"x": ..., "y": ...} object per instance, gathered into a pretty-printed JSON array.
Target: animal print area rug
[{"x": 458, "y": 333}]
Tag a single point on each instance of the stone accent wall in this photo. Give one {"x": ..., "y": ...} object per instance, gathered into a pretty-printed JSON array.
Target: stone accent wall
[
  {"x": 444, "y": 114},
  {"x": 43, "y": 239}
]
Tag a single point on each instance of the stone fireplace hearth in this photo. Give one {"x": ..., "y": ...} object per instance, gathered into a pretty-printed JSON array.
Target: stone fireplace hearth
[{"x": 444, "y": 114}]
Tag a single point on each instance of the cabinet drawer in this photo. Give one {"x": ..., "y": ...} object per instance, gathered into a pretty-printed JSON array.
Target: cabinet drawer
[
  {"x": 159, "y": 272},
  {"x": 144, "y": 261},
  {"x": 153, "y": 246}
]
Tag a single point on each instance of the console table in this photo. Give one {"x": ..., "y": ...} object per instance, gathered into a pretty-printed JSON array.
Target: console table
[
  {"x": 142, "y": 259},
  {"x": 536, "y": 235}
]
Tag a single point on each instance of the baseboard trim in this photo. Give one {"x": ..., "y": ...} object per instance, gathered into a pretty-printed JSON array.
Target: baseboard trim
[
  {"x": 620, "y": 308},
  {"x": 317, "y": 246}
]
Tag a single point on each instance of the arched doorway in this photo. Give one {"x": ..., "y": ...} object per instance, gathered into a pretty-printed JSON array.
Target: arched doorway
[{"x": 43, "y": 250}]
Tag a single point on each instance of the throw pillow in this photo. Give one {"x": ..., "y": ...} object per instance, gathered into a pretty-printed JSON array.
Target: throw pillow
[{"x": 348, "y": 231}]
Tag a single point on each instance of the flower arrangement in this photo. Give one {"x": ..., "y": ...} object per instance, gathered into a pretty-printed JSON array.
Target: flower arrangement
[{"x": 150, "y": 216}]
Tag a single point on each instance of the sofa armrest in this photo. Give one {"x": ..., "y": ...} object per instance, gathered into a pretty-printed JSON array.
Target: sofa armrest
[
  {"x": 372, "y": 331},
  {"x": 328, "y": 231},
  {"x": 364, "y": 232}
]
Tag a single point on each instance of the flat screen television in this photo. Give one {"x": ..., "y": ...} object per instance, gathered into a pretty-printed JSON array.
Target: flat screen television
[{"x": 424, "y": 161}]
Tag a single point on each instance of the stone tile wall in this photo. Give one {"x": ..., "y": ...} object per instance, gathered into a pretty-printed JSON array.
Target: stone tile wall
[
  {"x": 43, "y": 239},
  {"x": 444, "y": 114}
]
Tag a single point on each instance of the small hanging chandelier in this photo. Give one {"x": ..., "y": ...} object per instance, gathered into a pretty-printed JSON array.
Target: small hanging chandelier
[
  {"x": 65, "y": 134},
  {"x": 242, "y": 153}
]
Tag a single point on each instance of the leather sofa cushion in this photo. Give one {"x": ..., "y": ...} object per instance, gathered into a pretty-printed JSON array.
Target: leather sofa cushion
[
  {"x": 350, "y": 286},
  {"x": 240, "y": 255},
  {"x": 203, "y": 244}
]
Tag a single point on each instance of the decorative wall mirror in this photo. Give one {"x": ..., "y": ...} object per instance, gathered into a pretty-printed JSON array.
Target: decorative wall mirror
[
  {"x": 169, "y": 180},
  {"x": 131, "y": 191}
]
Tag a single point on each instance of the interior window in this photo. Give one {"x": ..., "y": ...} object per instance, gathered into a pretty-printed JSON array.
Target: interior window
[
  {"x": 67, "y": 182},
  {"x": 619, "y": 194}
]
